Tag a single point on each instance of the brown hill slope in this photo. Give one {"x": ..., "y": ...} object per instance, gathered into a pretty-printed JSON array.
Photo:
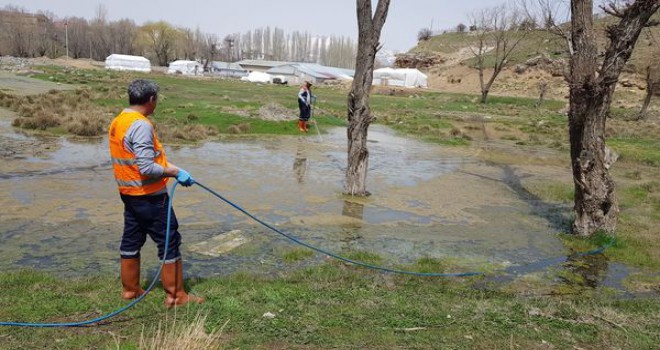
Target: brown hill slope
[{"x": 541, "y": 57}]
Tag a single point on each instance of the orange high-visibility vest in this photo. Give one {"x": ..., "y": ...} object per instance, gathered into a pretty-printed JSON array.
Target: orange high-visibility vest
[{"x": 127, "y": 173}]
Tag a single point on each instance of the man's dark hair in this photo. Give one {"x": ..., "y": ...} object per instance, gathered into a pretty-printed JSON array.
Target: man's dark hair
[{"x": 140, "y": 91}]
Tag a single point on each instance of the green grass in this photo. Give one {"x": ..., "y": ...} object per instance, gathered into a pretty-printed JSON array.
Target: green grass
[
  {"x": 333, "y": 306},
  {"x": 552, "y": 191},
  {"x": 207, "y": 102},
  {"x": 298, "y": 254},
  {"x": 225, "y": 103},
  {"x": 637, "y": 150}
]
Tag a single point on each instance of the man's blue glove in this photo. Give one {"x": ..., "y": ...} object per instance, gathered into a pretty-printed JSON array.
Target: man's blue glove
[{"x": 184, "y": 178}]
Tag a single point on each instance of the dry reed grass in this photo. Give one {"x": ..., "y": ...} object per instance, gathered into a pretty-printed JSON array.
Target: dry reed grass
[
  {"x": 241, "y": 128},
  {"x": 73, "y": 112},
  {"x": 190, "y": 132},
  {"x": 176, "y": 335},
  {"x": 276, "y": 112}
]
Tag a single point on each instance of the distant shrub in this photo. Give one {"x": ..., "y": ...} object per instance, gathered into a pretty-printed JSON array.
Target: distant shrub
[{"x": 424, "y": 34}]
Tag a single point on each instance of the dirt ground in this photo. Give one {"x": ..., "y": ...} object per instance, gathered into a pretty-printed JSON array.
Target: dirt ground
[{"x": 463, "y": 79}]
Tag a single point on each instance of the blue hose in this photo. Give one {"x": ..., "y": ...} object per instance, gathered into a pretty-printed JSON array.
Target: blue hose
[{"x": 274, "y": 229}]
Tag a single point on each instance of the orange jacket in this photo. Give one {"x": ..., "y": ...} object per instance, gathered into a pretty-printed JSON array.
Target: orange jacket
[{"x": 127, "y": 173}]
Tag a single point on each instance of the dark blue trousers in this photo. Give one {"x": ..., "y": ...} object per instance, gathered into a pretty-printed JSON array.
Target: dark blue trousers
[
  {"x": 305, "y": 111},
  {"x": 147, "y": 215}
]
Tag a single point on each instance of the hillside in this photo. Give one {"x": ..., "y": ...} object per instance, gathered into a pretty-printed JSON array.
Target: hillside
[{"x": 540, "y": 57}]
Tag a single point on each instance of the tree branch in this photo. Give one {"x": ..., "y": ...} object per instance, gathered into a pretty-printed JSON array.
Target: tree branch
[
  {"x": 623, "y": 37},
  {"x": 381, "y": 14},
  {"x": 653, "y": 23}
]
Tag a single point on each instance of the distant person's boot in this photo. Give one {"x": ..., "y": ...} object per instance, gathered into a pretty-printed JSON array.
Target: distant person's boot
[
  {"x": 172, "y": 278},
  {"x": 305, "y": 126},
  {"x": 301, "y": 126},
  {"x": 130, "y": 278}
]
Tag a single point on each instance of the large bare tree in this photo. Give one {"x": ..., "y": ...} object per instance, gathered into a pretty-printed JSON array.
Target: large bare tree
[
  {"x": 18, "y": 30},
  {"x": 79, "y": 37},
  {"x": 591, "y": 88},
  {"x": 370, "y": 25},
  {"x": 498, "y": 34},
  {"x": 124, "y": 34}
]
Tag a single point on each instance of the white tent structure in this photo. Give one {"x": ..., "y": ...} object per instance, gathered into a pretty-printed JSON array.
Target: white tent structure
[
  {"x": 128, "y": 63},
  {"x": 258, "y": 77},
  {"x": 404, "y": 77},
  {"x": 185, "y": 68}
]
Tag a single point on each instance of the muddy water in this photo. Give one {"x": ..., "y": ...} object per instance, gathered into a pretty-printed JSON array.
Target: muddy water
[{"x": 61, "y": 211}]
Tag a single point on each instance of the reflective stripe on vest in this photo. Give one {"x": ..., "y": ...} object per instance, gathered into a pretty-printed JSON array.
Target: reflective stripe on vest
[{"x": 127, "y": 173}]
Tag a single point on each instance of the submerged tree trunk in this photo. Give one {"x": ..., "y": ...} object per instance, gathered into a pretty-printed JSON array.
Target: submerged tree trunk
[
  {"x": 359, "y": 113},
  {"x": 591, "y": 90}
]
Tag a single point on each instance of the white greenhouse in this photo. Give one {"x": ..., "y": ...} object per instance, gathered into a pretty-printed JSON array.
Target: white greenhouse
[
  {"x": 185, "y": 68},
  {"x": 128, "y": 63},
  {"x": 404, "y": 77}
]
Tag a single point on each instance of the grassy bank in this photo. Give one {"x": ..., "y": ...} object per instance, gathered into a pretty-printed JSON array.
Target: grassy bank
[{"x": 334, "y": 306}]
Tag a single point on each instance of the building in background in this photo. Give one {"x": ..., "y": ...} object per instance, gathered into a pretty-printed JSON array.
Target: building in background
[
  {"x": 227, "y": 69},
  {"x": 128, "y": 63},
  {"x": 186, "y": 68},
  {"x": 259, "y": 65},
  {"x": 403, "y": 77},
  {"x": 297, "y": 73}
]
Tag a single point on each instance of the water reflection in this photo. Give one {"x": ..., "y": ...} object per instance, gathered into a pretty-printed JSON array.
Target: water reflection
[
  {"x": 353, "y": 210},
  {"x": 584, "y": 271},
  {"x": 300, "y": 163},
  {"x": 575, "y": 273}
]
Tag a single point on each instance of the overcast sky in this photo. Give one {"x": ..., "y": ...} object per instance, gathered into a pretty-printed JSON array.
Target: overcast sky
[{"x": 319, "y": 17}]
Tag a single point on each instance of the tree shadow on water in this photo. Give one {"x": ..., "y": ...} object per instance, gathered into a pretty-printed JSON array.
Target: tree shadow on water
[{"x": 558, "y": 215}]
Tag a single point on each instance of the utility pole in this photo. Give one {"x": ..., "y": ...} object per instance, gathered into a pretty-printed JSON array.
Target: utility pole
[{"x": 66, "y": 37}]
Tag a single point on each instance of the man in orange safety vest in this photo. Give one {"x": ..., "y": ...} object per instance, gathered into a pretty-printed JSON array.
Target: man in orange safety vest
[{"x": 142, "y": 171}]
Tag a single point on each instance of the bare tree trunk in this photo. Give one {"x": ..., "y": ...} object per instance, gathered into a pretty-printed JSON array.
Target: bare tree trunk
[
  {"x": 359, "y": 113},
  {"x": 543, "y": 88},
  {"x": 596, "y": 207},
  {"x": 485, "y": 89},
  {"x": 484, "y": 92},
  {"x": 649, "y": 95},
  {"x": 645, "y": 106}
]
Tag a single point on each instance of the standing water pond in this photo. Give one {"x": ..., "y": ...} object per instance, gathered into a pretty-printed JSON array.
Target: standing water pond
[{"x": 62, "y": 213}]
